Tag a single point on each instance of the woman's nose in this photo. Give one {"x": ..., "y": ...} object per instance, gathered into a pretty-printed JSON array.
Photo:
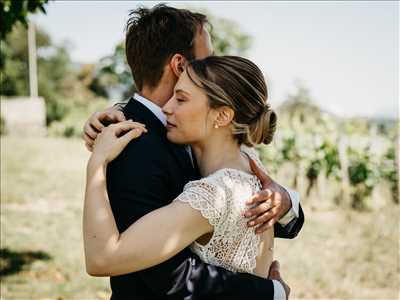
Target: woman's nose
[{"x": 167, "y": 108}]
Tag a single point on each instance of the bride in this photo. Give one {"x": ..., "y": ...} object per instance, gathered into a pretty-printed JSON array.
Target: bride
[{"x": 220, "y": 108}]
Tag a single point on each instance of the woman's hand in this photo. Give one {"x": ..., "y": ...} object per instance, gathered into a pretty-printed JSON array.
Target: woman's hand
[
  {"x": 97, "y": 121},
  {"x": 114, "y": 138}
]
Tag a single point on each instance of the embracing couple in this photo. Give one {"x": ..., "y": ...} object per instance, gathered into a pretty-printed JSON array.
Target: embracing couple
[{"x": 177, "y": 202}]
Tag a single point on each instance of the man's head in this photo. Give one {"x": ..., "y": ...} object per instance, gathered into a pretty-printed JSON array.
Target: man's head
[{"x": 162, "y": 39}]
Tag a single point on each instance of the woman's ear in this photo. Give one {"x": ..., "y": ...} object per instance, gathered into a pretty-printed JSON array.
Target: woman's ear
[
  {"x": 225, "y": 116},
  {"x": 177, "y": 64}
]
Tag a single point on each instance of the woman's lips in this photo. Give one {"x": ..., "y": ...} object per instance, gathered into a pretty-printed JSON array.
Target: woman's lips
[{"x": 170, "y": 125}]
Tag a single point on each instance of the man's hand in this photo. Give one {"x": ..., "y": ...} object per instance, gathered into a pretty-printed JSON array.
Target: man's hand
[
  {"x": 97, "y": 122},
  {"x": 274, "y": 273},
  {"x": 272, "y": 201}
]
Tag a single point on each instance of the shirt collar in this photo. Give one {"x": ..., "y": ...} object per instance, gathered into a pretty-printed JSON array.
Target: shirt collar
[{"x": 154, "y": 108}]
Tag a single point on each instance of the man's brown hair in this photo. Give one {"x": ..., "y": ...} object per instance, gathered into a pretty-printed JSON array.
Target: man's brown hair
[{"x": 154, "y": 35}]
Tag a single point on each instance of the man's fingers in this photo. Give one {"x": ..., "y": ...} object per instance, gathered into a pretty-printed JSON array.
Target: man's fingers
[
  {"x": 261, "y": 219},
  {"x": 89, "y": 147},
  {"x": 90, "y": 132},
  {"x": 274, "y": 270},
  {"x": 95, "y": 121},
  {"x": 267, "y": 225},
  {"x": 87, "y": 138},
  {"x": 264, "y": 178},
  {"x": 120, "y": 116},
  {"x": 261, "y": 196},
  {"x": 115, "y": 116},
  {"x": 259, "y": 209}
]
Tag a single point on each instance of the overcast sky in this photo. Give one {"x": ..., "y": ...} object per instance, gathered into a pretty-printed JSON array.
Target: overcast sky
[{"x": 346, "y": 53}]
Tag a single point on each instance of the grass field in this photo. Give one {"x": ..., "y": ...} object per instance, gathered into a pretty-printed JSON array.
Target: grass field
[{"x": 338, "y": 255}]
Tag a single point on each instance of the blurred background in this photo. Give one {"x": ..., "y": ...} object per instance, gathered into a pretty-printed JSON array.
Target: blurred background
[{"x": 332, "y": 70}]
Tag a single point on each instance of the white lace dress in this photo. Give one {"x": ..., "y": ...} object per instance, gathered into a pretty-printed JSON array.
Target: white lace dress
[{"x": 220, "y": 197}]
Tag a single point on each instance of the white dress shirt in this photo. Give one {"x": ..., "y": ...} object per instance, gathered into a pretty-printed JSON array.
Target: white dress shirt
[{"x": 279, "y": 292}]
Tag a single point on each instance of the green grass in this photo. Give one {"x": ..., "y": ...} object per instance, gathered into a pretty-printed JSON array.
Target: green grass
[
  {"x": 339, "y": 254},
  {"x": 42, "y": 182}
]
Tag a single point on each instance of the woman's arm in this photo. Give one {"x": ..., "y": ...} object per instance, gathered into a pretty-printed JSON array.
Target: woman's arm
[{"x": 151, "y": 240}]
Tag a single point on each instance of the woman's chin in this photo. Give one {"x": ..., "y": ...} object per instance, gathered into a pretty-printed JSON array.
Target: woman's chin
[{"x": 173, "y": 138}]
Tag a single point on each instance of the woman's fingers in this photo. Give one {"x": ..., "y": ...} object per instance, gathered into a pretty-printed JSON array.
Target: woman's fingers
[
  {"x": 130, "y": 135},
  {"x": 128, "y": 125}
]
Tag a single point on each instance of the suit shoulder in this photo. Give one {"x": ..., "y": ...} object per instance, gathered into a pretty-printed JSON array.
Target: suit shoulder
[{"x": 147, "y": 143}]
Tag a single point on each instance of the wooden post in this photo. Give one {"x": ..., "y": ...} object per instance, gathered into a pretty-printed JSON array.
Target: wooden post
[
  {"x": 397, "y": 162},
  {"x": 33, "y": 83}
]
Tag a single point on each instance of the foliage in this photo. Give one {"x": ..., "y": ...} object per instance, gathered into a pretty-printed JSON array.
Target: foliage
[
  {"x": 364, "y": 176},
  {"x": 112, "y": 76},
  {"x": 389, "y": 173},
  {"x": 309, "y": 139},
  {"x": 14, "y": 11},
  {"x": 71, "y": 125},
  {"x": 60, "y": 83},
  {"x": 2, "y": 126},
  {"x": 227, "y": 37}
]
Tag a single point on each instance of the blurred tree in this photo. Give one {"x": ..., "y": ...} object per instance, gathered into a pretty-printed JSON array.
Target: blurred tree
[
  {"x": 300, "y": 112},
  {"x": 227, "y": 37},
  {"x": 58, "y": 79},
  {"x": 14, "y": 60},
  {"x": 14, "y": 11},
  {"x": 112, "y": 75}
]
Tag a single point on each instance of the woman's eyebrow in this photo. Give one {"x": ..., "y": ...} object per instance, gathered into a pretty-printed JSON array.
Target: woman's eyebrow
[{"x": 182, "y": 91}]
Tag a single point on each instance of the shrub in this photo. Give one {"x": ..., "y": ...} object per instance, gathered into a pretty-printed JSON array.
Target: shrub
[{"x": 3, "y": 130}]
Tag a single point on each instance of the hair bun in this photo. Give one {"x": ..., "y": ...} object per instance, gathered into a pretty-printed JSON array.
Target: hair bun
[
  {"x": 262, "y": 128},
  {"x": 270, "y": 120}
]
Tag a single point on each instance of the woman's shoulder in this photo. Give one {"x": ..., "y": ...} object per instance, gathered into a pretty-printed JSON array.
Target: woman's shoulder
[
  {"x": 211, "y": 184},
  {"x": 221, "y": 182},
  {"x": 250, "y": 151}
]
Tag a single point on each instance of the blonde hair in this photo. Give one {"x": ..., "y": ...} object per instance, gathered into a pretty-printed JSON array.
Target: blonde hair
[{"x": 238, "y": 83}]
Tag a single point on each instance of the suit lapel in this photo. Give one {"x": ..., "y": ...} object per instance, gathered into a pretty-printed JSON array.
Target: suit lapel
[
  {"x": 197, "y": 174},
  {"x": 183, "y": 159}
]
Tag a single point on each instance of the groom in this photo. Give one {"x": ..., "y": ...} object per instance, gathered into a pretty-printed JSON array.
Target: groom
[{"x": 151, "y": 171}]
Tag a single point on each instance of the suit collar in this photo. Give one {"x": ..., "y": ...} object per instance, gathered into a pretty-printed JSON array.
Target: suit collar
[
  {"x": 154, "y": 108},
  {"x": 137, "y": 111}
]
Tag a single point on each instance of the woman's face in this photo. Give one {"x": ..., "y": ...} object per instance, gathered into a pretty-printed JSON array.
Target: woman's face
[{"x": 189, "y": 118}]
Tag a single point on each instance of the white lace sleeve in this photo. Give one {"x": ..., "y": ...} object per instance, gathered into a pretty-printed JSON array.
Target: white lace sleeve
[{"x": 206, "y": 197}]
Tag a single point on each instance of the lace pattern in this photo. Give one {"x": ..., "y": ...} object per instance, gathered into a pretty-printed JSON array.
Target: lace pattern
[{"x": 221, "y": 198}]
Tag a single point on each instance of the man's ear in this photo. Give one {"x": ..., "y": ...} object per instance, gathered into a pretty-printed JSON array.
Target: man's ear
[
  {"x": 224, "y": 116},
  {"x": 177, "y": 64}
]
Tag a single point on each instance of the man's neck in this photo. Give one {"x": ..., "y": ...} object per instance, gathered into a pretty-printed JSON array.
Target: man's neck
[{"x": 158, "y": 95}]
